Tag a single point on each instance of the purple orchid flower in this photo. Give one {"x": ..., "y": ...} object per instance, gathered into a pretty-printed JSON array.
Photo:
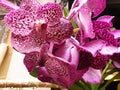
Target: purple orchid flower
[
  {"x": 82, "y": 11},
  {"x": 33, "y": 25},
  {"x": 59, "y": 66},
  {"x": 113, "y": 51},
  {"x": 92, "y": 59},
  {"x": 110, "y": 36}
]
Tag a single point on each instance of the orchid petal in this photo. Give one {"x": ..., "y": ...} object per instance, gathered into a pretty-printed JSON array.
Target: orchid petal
[
  {"x": 59, "y": 71},
  {"x": 99, "y": 61},
  {"x": 94, "y": 46},
  {"x": 51, "y": 13},
  {"x": 43, "y": 75},
  {"x": 74, "y": 56},
  {"x": 85, "y": 59},
  {"x": 106, "y": 18},
  {"x": 62, "y": 71},
  {"x": 96, "y": 6},
  {"x": 116, "y": 59},
  {"x": 31, "y": 60},
  {"x": 60, "y": 32},
  {"x": 102, "y": 31},
  {"x": 64, "y": 51},
  {"x": 20, "y": 22},
  {"x": 108, "y": 50},
  {"x": 26, "y": 44},
  {"x": 31, "y": 6},
  {"x": 85, "y": 22},
  {"x": 8, "y": 5},
  {"x": 92, "y": 76},
  {"x": 116, "y": 33},
  {"x": 76, "y": 6},
  {"x": 116, "y": 64}
]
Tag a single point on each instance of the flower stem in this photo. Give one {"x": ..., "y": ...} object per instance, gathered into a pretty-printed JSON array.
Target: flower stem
[
  {"x": 85, "y": 86},
  {"x": 107, "y": 66}
]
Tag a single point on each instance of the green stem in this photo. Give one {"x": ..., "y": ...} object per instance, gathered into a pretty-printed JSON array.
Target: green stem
[
  {"x": 106, "y": 67},
  {"x": 85, "y": 86},
  {"x": 92, "y": 87}
]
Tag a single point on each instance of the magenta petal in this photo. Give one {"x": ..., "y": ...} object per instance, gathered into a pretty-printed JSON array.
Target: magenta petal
[
  {"x": 76, "y": 6},
  {"x": 94, "y": 46},
  {"x": 102, "y": 31},
  {"x": 62, "y": 71},
  {"x": 60, "y": 32},
  {"x": 74, "y": 56},
  {"x": 43, "y": 75},
  {"x": 26, "y": 44},
  {"x": 8, "y": 5},
  {"x": 116, "y": 33},
  {"x": 116, "y": 64},
  {"x": 31, "y": 6},
  {"x": 20, "y": 22},
  {"x": 51, "y": 13},
  {"x": 108, "y": 50},
  {"x": 116, "y": 59},
  {"x": 85, "y": 22},
  {"x": 99, "y": 61},
  {"x": 106, "y": 18},
  {"x": 96, "y": 6},
  {"x": 31, "y": 60},
  {"x": 92, "y": 76},
  {"x": 64, "y": 51}
]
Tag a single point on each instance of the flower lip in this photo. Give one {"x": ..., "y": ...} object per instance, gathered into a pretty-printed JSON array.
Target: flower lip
[{"x": 40, "y": 24}]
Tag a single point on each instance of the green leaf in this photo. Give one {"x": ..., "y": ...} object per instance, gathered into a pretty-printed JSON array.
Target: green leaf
[
  {"x": 34, "y": 73},
  {"x": 66, "y": 11}
]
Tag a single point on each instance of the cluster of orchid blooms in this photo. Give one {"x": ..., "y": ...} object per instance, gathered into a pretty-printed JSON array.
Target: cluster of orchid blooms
[{"x": 45, "y": 36}]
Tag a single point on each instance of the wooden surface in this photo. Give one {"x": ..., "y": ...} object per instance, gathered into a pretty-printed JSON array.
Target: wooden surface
[{"x": 5, "y": 64}]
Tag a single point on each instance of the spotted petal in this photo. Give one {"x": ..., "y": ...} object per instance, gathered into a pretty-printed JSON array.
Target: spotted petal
[
  {"x": 62, "y": 72},
  {"x": 26, "y": 44},
  {"x": 102, "y": 31},
  {"x": 31, "y": 6},
  {"x": 60, "y": 32},
  {"x": 20, "y": 22},
  {"x": 31, "y": 60},
  {"x": 43, "y": 75},
  {"x": 51, "y": 13}
]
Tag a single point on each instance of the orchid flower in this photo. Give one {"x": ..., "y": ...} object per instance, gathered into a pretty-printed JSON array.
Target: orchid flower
[
  {"x": 33, "y": 25},
  {"x": 102, "y": 28},
  {"x": 92, "y": 59},
  {"x": 82, "y": 11},
  {"x": 44, "y": 35},
  {"x": 59, "y": 66}
]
